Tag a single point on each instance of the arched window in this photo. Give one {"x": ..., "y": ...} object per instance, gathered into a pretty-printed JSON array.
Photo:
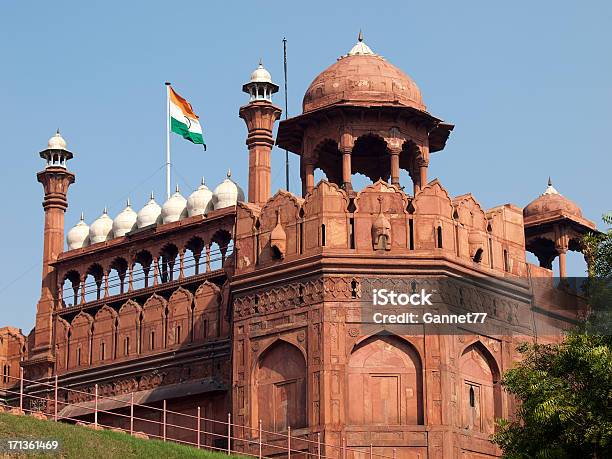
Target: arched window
[
  {"x": 281, "y": 388},
  {"x": 141, "y": 271},
  {"x": 116, "y": 276},
  {"x": 439, "y": 237},
  {"x": 193, "y": 257},
  {"x": 71, "y": 289},
  {"x": 93, "y": 282},
  {"x": 385, "y": 380},
  {"x": 478, "y": 256},
  {"x": 168, "y": 265}
]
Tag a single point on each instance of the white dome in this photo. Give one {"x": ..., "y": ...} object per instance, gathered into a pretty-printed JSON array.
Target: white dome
[
  {"x": 175, "y": 208},
  {"x": 102, "y": 229},
  {"x": 227, "y": 193},
  {"x": 200, "y": 201},
  {"x": 125, "y": 221},
  {"x": 78, "y": 236},
  {"x": 149, "y": 214},
  {"x": 57, "y": 142},
  {"x": 261, "y": 75}
]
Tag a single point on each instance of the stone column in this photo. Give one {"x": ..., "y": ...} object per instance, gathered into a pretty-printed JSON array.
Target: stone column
[
  {"x": 562, "y": 269},
  {"x": 394, "y": 145},
  {"x": 346, "y": 148},
  {"x": 395, "y": 168},
  {"x": 309, "y": 177},
  {"x": 259, "y": 116},
  {"x": 346, "y": 169}
]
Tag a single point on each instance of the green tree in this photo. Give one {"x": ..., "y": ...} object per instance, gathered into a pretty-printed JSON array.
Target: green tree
[{"x": 565, "y": 390}]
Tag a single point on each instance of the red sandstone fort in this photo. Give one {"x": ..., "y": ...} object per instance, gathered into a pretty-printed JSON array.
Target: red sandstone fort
[{"x": 254, "y": 306}]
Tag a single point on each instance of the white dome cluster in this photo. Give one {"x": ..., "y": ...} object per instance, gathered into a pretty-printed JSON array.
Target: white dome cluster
[{"x": 176, "y": 208}]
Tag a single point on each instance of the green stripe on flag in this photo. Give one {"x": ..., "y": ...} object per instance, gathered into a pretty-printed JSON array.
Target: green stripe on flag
[{"x": 182, "y": 129}]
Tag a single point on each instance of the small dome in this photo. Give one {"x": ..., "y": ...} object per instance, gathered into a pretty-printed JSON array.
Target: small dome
[
  {"x": 78, "y": 236},
  {"x": 551, "y": 201},
  {"x": 102, "y": 229},
  {"x": 362, "y": 77},
  {"x": 175, "y": 208},
  {"x": 149, "y": 214},
  {"x": 227, "y": 193},
  {"x": 125, "y": 221},
  {"x": 200, "y": 201},
  {"x": 261, "y": 75},
  {"x": 57, "y": 142}
]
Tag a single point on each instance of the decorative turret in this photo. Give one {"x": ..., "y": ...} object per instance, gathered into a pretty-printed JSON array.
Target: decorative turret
[
  {"x": 55, "y": 179},
  {"x": 554, "y": 225},
  {"x": 260, "y": 115}
]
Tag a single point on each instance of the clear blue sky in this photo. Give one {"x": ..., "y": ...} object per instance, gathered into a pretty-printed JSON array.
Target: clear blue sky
[{"x": 528, "y": 85}]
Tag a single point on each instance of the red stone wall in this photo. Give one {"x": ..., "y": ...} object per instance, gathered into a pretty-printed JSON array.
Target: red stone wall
[{"x": 12, "y": 352}]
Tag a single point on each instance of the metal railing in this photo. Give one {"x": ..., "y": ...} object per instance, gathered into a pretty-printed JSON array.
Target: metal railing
[{"x": 230, "y": 437}]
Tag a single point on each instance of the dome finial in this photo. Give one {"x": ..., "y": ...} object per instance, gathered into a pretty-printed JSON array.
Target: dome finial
[
  {"x": 176, "y": 190},
  {"x": 260, "y": 62},
  {"x": 82, "y": 217},
  {"x": 202, "y": 183},
  {"x": 229, "y": 173},
  {"x": 550, "y": 189},
  {"x": 57, "y": 132},
  {"x": 152, "y": 196},
  {"x": 360, "y": 48},
  {"x": 105, "y": 212},
  {"x": 127, "y": 203}
]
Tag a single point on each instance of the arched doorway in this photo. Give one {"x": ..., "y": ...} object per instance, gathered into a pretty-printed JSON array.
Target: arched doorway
[
  {"x": 280, "y": 388},
  {"x": 385, "y": 383},
  {"x": 480, "y": 392}
]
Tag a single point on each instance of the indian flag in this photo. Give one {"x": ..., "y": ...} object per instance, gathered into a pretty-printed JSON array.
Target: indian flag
[{"x": 183, "y": 120}]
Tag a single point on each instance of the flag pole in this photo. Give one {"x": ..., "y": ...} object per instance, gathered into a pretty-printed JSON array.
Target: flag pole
[
  {"x": 286, "y": 111},
  {"x": 167, "y": 140}
]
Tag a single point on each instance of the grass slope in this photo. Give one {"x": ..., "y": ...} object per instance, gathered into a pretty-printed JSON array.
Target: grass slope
[{"x": 82, "y": 442}]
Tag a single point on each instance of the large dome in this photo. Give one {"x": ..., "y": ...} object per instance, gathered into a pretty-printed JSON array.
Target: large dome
[
  {"x": 551, "y": 201},
  {"x": 364, "y": 78}
]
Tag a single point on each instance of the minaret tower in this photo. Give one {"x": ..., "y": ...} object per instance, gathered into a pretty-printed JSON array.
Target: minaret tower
[
  {"x": 260, "y": 115},
  {"x": 55, "y": 179}
]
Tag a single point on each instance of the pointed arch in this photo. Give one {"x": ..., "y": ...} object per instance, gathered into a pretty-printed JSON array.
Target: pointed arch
[
  {"x": 179, "y": 317},
  {"x": 154, "y": 324},
  {"x": 80, "y": 340},
  {"x": 104, "y": 335},
  {"x": 62, "y": 336},
  {"x": 128, "y": 329},
  {"x": 480, "y": 394},
  {"x": 386, "y": 373},
  {"x": 280, "y": 393},
  {"x": 207, "y": 313}
]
